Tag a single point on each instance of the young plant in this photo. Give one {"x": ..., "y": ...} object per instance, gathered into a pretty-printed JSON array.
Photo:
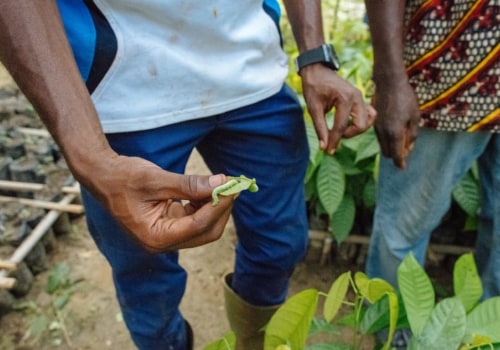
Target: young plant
[
  {"x": 291, "y": 326},
  {"x": 457, "y": 322}
]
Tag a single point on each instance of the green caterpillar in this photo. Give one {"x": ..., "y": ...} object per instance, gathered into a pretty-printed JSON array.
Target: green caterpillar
[{"x": 234, "y": 185}]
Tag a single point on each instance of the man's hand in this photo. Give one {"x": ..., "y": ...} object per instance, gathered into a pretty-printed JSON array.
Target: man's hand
[
  {"x": 146, "y": 200},
  {"x": 323, "y": 90},
  {"x": 398, "y": 118}
]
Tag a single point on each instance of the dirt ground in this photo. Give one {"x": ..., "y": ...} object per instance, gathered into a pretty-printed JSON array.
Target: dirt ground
[{"x": 92, "y": 320}]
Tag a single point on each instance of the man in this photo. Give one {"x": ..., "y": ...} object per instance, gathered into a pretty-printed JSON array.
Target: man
[
  {"x": 159, "y": 79},
  {"x": 436, "y": 69}
]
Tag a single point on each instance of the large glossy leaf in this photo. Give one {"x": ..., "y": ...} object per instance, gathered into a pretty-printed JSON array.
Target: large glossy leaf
[
  {"x": 466, "y": 194},
  {"x": 466, "y": 282},
  {"x": 342, "y": 220},
  {"x": 417, "y": 293},
  {"x": 330, "y": 184},
  {"x": 290, "y": 324},
  {"x": 484, "y": 319},
  {"x": 445, "y": 328},
  {"x": 336, "y": 296}
]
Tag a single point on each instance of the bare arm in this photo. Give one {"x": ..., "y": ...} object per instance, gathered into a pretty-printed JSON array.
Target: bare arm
[
  {"x": 35, "y": 50},
  {"x": 395, "y": 100},
  {"x": 323, "y": 88}
]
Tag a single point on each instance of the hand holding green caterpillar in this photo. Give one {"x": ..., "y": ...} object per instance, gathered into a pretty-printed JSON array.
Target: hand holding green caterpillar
[{"x": 234, "y": 185}]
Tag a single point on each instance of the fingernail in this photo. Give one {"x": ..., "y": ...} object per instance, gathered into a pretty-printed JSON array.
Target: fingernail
[
  {"x": 331, "y": 152},
  {"x": 215, "y": 180}
]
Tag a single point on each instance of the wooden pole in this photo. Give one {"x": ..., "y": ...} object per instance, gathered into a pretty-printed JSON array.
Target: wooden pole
[
  {"x": 34, "y": 187},
  {"x": 70, "y": 208},
  {"x": 36, "y": 234},
  {"x": 7, "y": 265},
  {"x": 7, "y": 282}
]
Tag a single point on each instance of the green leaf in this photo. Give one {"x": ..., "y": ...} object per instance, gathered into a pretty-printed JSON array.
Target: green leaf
[
  {"x": 466, "y": 281},
  {"x": 378, "y": 316},
  {"x": 227, "y": 342},
  {"x": 484, "y": 319},
  {"x": 329, "y": 346},
  {"x": 58, "y": 277},
  {"x": 417, "y": 293},
  {"x": 466, "y": 194},
  {"x": 61, "y": 300},
  {"x": 312, "y": 140},
  {"x": 336, "y": 296},
  {"x": 369, "y": 192},
  {"x": 342, "y": 220},
  {"x": 368, "y": 147},
  {"x": 445, "y": 328},
  {"x": 330, "y": 183},
  {"x": 346, "y": 159},
  {"x": 492, "y": 346},
  {"x": 291, "y": 322},
  {"x": 393, "y": 317},
  {"x": 361, "y": 281},
  {"x": 319, "y": 325}
]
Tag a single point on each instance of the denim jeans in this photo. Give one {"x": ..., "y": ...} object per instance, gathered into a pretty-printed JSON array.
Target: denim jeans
[
  {"x": 267, "y": 141},
  {"x": 411, "y": 202}
]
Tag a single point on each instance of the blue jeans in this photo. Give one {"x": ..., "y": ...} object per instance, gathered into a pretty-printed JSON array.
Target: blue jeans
[
  {"x": 412, "y": 202},
  {"x": 267, "y": 141}
]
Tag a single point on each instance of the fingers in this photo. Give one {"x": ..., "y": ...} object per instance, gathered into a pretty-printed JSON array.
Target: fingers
[
  {"x": 351, "y": 120},
  {"x": 178, "y": 231},
  {"x": 190, "y": 187}
]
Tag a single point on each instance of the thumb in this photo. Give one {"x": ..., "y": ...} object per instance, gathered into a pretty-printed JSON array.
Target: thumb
[{"x": 196, "y": 187}]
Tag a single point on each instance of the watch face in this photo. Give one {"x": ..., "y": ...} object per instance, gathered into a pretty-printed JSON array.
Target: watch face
[{"x": 332, "y": 56}]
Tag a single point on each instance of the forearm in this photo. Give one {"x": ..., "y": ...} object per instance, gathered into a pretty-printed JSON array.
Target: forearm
[
  {"x": 35, "y": 50},
  {"x": 386, "y": 23},
  {"x": 306, "y": 21}
]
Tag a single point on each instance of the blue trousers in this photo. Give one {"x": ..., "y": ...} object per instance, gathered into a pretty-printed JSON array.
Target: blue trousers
[
  {"x": 412, "y": 202},
  {"x": 267, "y": 141}
]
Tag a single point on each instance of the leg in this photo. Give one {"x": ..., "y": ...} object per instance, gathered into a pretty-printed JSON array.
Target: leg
[
  {"x": 487, "y": 252},
  {"x": 411, "y": 202},
  {"x": 149, "y": 287},
  {"x": 266, "y": 141}
]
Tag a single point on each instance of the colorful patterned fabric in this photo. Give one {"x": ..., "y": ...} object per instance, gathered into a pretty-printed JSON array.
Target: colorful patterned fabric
[{"x": 452, "y": 53}]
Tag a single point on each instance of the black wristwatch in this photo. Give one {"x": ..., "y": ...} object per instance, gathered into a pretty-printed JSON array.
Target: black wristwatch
[{"x": 325, "y": 54}]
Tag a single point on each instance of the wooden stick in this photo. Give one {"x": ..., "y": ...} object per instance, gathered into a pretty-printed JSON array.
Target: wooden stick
[
  {"x": 35, "y": 187},
  {"x": 7, "y": 282},
  {"x": 359, "y": 239},
  {"x": 21, "y": 186},
  {"x": 74, "y": 189},
  {"x": 34, "y": 132},
  {"x": 7, "y": 265},
  {"x": 70, "y": 208}
]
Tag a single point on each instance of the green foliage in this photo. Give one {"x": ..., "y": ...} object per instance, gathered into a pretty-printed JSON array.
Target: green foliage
[{"x": 458, "y": 322}]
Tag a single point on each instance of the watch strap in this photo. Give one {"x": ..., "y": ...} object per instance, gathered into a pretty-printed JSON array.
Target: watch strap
[{"x": 324, "y": 54}]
